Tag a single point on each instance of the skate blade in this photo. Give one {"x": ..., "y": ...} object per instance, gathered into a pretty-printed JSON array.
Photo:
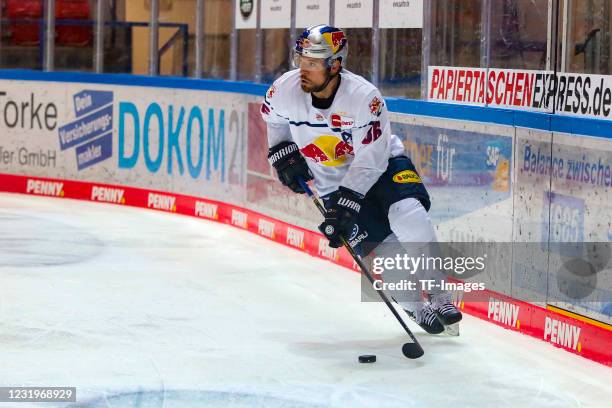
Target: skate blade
[{"x": 452, "y": 330}]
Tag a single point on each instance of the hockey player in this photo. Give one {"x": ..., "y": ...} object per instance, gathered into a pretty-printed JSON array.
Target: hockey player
[{"x": 328, "y": 124}]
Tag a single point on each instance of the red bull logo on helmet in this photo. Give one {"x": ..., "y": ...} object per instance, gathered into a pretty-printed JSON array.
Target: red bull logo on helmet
[
  {"x": 336, "y": 40},
  {"x": 328, "y": 150}
]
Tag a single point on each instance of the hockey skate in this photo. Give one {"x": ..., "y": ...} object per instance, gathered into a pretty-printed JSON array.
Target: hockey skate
[
  {"x": 445, "y": 309},
  {"x": 426, "y": 317}
]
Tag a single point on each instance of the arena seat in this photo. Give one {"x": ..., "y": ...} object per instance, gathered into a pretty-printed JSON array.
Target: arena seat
[
  {"x": 24, "y": 33},
  {"x": 73, "y": 35}
]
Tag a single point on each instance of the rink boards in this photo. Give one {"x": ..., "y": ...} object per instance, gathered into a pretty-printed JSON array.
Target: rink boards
[{"x": 198, "y": 148}]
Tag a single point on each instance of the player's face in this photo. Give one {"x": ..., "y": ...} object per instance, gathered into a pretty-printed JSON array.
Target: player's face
[{"x": 313, "y": 72}]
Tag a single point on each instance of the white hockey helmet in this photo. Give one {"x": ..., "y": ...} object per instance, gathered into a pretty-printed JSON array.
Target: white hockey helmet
[{"x": 323, "y": 42}]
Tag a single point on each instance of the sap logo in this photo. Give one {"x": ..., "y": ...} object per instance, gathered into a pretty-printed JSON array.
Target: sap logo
[
  {"x": 503, "y": 312},
  {"x": 107, "y": 195},
  {"x": 444, "y": 163},
  {"x": 492, "y": 155},
  {"x": 266, "y": 228},
  {"x": 295, "y": 237},
  {"x": 326, "y": 251},
  {"x": 161, "y": 202},
  {"x": 160, "y": 133},
  {"x": 206, "y": 210},
  {"x": 563, "y": 334},
  {"x": 239, "y": 219},
  {"x": 48, "y": 188}
]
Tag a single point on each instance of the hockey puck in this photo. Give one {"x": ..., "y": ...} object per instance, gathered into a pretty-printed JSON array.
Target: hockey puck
[{"x": 367, "y": 358}]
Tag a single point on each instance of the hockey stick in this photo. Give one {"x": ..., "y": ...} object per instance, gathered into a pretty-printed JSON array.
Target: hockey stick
[{"x": 410, "y": 350}]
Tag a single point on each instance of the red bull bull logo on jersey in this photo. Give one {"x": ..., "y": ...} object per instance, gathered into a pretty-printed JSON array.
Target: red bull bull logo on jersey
[{"x": 328, "y": 150}]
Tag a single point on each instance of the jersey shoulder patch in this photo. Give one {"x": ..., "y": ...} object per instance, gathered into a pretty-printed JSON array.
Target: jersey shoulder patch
[
  {"x": 376, "y": 105},
  {"x": 271, "y": 91}
]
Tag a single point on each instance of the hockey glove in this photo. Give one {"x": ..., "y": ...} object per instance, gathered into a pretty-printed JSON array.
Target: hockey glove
[
  {"x": 290, "y": 165},
  {"x": 341, "y": 216}
]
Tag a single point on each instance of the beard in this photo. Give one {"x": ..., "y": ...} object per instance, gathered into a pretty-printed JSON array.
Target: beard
[{"x": 310, "y": 87}]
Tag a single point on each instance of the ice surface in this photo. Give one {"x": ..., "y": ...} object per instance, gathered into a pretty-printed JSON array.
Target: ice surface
[{"x": 146, "y": 309}]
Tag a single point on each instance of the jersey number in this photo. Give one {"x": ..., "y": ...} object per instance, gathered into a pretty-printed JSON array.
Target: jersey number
[{"x": 373, "y": 134}]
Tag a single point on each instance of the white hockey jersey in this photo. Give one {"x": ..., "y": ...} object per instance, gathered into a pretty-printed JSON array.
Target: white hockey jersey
[{"x": 347, "y": 145}]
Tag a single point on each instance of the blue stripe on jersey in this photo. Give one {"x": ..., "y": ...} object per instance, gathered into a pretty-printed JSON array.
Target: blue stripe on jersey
[{"x": 291, "y": 122}]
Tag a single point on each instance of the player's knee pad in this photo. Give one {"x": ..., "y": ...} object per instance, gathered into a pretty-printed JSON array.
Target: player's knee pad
[{"x": 410, "y": 222}]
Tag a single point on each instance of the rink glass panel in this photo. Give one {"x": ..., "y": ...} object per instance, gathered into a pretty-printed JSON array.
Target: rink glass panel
[
  {"x": 580, "y": 275},
  {"x": 217, "y": 39},
  {"x": 518, "y": 34},
  {"x": 118, "y": 57},
  {"x": 247, "y": 40},
  {"x": 140, "y": 36},
  {"x": 531, "y": 213},
  {"x": 588, "y": 37},
  {"x": 275, "y": 58},
  {"x": 455, "y": 33},
  {"x": 20, "y": 40},
  {"x": 175, "y": 48},
  {"x": 74, "y": 36},
  {"x": 359, "y": 60},
  {"x": 515, "y": 37},
  {"x": 400, "y": 62}
]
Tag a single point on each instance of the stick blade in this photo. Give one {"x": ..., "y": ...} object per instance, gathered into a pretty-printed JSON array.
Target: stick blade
[{"x": 412, "y": 350}]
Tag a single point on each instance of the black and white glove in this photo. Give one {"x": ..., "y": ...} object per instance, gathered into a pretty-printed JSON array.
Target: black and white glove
[
  {"x": 290, "y": 165},
  {"x": 341, "y": 215}
]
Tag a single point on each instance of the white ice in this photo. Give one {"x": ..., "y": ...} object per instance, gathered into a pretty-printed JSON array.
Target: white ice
[{"x": 146, "y": 309}]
